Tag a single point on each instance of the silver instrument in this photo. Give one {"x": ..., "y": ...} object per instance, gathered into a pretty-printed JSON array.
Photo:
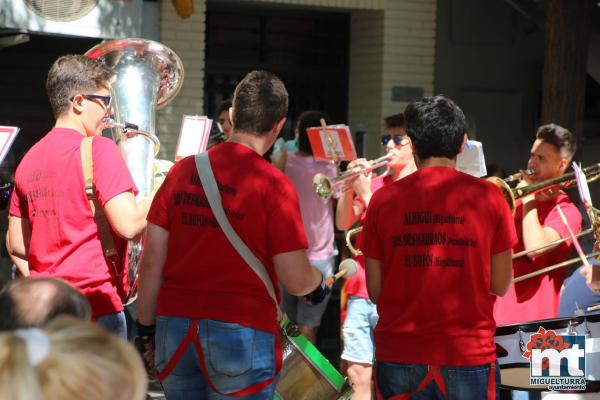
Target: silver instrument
[
  {"x": 325, "y": 186},
  {"x": 148, "y": 76},
  {"x": 519, "y": 175}
]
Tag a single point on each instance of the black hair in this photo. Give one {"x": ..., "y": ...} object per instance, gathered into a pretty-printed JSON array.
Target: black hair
[
  {"x": 223, "y": 106},
  {"x": 436, "y": 126},
  {"x": 394, "y": 120},
  {"x": 561, "y": 138},
  {"x": 309, "y": 119}
]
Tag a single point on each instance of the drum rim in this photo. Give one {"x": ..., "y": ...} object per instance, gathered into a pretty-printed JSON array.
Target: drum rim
[
  {"x": 332, "y": 376},
  {"x": 548, "y": 324}
]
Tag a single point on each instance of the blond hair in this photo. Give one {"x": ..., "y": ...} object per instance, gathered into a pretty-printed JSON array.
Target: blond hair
[{"x": 84, "y": 362}]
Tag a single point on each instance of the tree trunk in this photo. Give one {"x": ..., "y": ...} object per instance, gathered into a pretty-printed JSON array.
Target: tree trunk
[{"x": 568, "y": 30}]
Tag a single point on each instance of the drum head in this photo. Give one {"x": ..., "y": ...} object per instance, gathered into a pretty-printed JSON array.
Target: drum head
[{"x": 518, "y": 378}]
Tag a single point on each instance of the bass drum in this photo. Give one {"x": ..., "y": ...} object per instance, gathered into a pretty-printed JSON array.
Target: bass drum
[{"x": 511, "y": 342}]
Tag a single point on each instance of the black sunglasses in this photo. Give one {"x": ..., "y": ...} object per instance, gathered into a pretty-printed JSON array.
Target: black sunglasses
[
  {"x": 106, "y": 100},
  {"x": 399, "y": 140}
]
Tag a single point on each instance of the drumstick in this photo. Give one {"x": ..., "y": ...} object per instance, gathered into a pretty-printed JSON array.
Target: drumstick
[
  {"x": 593, "y": 308},
  {"x": 573, "y": 238},
  {"x": 347, "y": 267}
]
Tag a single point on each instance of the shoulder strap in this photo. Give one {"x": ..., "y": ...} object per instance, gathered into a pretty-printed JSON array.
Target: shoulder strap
[
  {"x": 87, "y": 163},
  {"x": 214, "y": 199}
]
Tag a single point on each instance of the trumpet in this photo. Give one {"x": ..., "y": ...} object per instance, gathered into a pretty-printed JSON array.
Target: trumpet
[{"x": 325, "y": 187}]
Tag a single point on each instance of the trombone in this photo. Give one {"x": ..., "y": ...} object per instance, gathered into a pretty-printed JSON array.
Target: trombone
[
  {"x": 511, "y": 195},
  {"x": 325, "y": 187},
  {"x": 591, "y": 173},
  {"x": 593, "y": 213},
  {"x": 594, "y": 216}
]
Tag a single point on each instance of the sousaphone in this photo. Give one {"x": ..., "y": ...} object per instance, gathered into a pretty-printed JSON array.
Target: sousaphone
[{"x": 148, "y": 76}]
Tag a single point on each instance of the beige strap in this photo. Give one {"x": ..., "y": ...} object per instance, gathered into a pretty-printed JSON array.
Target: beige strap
[{"x": 104, "y": 233}]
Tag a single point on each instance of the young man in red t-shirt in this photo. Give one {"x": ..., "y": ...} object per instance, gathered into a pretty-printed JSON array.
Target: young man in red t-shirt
[
  {"x": 191, "y": 275},
  {"x": 51, "y": 224},
  {"x": 361, "y": 316},
  {"x": 538, "y": 224},
  {"x": 437, "y": 245}
]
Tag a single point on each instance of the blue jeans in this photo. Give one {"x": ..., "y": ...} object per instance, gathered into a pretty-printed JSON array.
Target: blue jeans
[
  {"x": 461, "y": 382},
  {"x": 235, "y": 357},
  {"x": 114, "y": 323}
]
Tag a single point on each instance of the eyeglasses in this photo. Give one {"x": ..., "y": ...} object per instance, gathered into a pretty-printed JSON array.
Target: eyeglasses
[
  {"x": 106, "y": 100},
  {"x": 399, "y": 140}
]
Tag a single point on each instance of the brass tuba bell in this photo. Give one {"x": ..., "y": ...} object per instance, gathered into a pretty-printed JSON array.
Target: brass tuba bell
[{"x": 148, "y": 75}]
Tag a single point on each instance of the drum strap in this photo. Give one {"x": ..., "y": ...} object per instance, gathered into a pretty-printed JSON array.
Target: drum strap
[
  {"x": 192, "y": 337},
  {"x": 435, "y": 374},
  {"x": 104, "y": 234},
  {"x": 211, "y": 190}
]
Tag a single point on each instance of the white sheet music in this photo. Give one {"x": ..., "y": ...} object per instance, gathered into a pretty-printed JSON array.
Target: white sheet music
[
  {"x": 582, "y": 186},
  {"x": 193, "y": 136},
  {"x": 471, "y": 161},
  {"x": 7, "y": 137}
]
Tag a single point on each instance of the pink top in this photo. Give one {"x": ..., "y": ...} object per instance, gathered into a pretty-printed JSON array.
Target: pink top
[
  {"x": 317, "y": 213},
  {"x": 538, "y": 297},
  {"x": 49, "y": 193}
]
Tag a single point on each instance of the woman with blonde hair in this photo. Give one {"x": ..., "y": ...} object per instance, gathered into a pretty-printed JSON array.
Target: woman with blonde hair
[{"x": 69, "y": 359}]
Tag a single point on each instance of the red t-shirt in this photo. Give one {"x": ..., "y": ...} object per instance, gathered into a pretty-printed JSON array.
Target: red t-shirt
[
  {"x": 538, "y": 297},
  {"x": 434, "y": 233},
  {"x": 204, "y": 277},
  {"x": 357, "y": 285},
  {"x": 49, "y": 192}
]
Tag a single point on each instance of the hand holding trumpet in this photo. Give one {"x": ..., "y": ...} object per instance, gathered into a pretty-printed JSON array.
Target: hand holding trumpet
[
  {"x": 325, "y": 186},
  {"x": 361, "y": 182}
]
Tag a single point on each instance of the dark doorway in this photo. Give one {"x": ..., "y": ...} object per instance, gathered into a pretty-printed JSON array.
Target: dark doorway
[
  {"x": 23, "y": 73},
  {"x": 307, "y": 49}
]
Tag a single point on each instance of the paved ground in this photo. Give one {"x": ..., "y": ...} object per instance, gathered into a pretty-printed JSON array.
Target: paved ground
[{"x": 155, "y": 391}]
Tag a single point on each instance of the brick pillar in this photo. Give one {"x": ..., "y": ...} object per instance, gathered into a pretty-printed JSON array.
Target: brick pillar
[{"x": 186, "y": 37}]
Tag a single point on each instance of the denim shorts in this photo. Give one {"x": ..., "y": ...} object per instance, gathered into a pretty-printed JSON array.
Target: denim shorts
[
  {"x": 302, "y": 313},
  {"x": 235, "y": 356},
  {"x": 361, "y": 319},
  {"x": 469, "y": 382}
]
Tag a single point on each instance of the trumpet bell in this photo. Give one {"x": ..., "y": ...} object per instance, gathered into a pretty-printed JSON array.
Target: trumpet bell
[{"x": 322, "y": 186}]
